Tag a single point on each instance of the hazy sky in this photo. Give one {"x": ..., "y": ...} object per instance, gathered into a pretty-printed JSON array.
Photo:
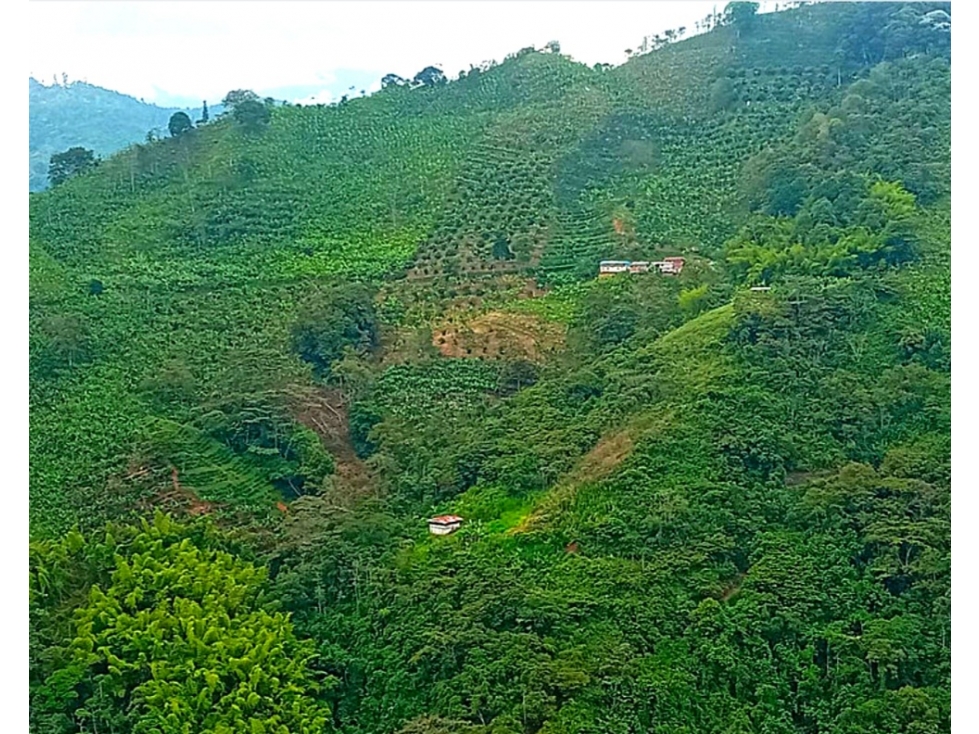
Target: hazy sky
[{"x": 182, "y": 52}]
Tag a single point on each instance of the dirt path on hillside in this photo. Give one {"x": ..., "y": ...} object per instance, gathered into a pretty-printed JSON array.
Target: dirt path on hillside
[
  {"x": 603, "y": 459},
  {"x": 597, "y": 464},
  {"x": 323, "y": 411}
]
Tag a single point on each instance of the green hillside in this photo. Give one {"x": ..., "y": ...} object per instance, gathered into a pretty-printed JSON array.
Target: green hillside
[{"x": 711, "y": 502}]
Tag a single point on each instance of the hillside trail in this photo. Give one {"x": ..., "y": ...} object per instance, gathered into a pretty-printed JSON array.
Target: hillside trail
[
  {"x": 602, "y": 460},
  {"x": 324, "y": 411},
  {"x": 605, "y": 457}
]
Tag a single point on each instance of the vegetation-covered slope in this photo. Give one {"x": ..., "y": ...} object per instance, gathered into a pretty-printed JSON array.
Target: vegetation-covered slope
[{"x": 712, "y": 502}]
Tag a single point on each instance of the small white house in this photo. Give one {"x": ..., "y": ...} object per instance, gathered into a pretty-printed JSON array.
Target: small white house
[
  {"x": 444, "y": 524},
  {"x": 667, "y": 266},
  {"x": 612, "y": 267}
]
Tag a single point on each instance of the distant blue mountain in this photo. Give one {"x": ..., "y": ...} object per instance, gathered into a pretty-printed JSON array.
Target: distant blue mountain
[{"x": 63, "y": 116}]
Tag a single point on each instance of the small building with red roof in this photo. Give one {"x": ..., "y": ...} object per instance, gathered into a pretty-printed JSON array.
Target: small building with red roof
[
  {"x": 444, "y": 524},
  {"x": 672, "y": 265}
]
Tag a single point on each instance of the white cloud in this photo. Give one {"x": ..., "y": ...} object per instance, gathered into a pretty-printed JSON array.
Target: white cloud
[
  {"x": 203, "y": 49},
  {"x": 321, "y": 97}
]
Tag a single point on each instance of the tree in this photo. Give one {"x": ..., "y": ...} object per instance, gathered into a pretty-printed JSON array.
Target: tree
[
  {"x": 70, "y": 163},
  {"x": 173, "y": 383},
  {"x": 252, "y": 115},
  {"x": 237, "y": 97},
  {"x": 553, "y": 46},
  {"x": 438, "y": 725},
  {"x": 352, "y": 371},
  {"x": 517, "y": 374},
  {"x": 740, "y": 14},
  {"x": 890, "y": 210},
  {"x": 343, "y": 316},
  {"x": 722, "y": 94},
  {"x": 429, "y": 77},
  {"x": 173, "y": 635},
  {"x": 179, "y": 124},
  {"x": 58, "y": 344},
  {"x": 392, "y": 80},
  {"x": 773, "y": 183}
]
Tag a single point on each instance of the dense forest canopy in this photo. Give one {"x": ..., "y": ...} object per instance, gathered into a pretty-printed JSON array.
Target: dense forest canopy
[{"x": 265, "y": 349}]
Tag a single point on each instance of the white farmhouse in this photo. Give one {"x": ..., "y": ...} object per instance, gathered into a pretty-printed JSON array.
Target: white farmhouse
[{"x": 444, "y": 524}]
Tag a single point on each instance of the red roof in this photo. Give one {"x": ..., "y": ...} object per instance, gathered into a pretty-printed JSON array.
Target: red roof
[{"x": 445, "y": 519}]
